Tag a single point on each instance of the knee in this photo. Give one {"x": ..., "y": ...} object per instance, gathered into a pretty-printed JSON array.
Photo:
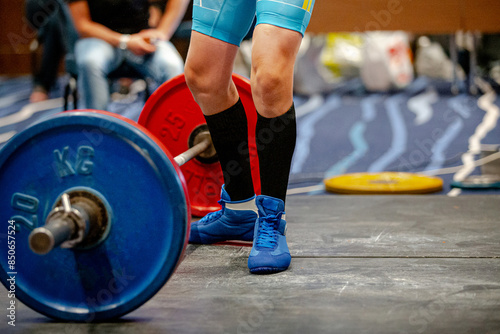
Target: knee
[
  {"x": 92, "y": 55},
  {"x": 89, "y": 62},
  {"x": 193, "y": 80},
  {"x": 266, "y": 81},
  {"x": 268, "y": 89},
  {"x": 213, "y": 89},
  {"x": 201, "y": 82}
]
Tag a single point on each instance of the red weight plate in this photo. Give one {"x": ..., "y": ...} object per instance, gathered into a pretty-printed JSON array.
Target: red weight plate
[{"x": 172, "y": 115}]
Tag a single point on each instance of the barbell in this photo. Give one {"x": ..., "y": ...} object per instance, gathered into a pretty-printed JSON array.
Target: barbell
[
  {"x": 172, "y": 116},
  {"x": 80, "y": 218},
  {"x": 96, "y": 211}
]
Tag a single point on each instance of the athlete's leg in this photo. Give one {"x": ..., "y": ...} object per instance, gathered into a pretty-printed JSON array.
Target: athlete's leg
[
  {"x": 273, "y": 58},
  {"x": 276, "y": 41},
  {"x": 209, "y": 66},
  {"x": 208, "y": 70},
  {"x": 274, "y": 51}
]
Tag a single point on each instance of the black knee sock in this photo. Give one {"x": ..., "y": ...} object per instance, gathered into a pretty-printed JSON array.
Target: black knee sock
[
  {"x": 229, "y": 131},
  {"x": 275, "y": 138}
]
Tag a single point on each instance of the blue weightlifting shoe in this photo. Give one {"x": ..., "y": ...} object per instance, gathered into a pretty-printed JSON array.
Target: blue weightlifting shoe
[
  {"x": 235, "y": 221},
  {"x": 270, "y": 252}
]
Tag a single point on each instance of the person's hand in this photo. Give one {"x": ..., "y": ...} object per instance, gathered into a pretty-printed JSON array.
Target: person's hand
[
  {"x": 139, "y": 45},
  {"x": 153, "y": 35}
]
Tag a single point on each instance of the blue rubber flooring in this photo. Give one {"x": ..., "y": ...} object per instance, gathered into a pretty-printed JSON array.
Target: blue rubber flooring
[{"x": 423, "y": 128}]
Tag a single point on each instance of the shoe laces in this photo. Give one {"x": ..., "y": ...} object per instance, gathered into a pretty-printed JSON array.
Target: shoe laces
[
  {"x": 267, "y": 231},
  {"x": 214, "y": 215}
]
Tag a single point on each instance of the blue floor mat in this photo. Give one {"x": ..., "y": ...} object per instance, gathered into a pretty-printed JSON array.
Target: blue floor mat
[{"x": 419, "y": 129}]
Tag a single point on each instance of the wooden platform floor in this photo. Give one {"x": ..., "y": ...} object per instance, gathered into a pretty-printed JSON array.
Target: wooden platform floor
[{"x": 361, "y": 264}]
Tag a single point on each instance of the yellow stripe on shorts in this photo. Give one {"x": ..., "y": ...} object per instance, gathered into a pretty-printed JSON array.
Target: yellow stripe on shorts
[{"x": 306, "y": 4}]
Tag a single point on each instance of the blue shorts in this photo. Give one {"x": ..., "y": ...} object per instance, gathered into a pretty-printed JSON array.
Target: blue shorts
[{"x": 230, "y": 20}]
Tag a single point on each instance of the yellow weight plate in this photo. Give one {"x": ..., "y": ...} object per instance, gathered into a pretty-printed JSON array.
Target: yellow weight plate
[{"x": 383, "y": 183}]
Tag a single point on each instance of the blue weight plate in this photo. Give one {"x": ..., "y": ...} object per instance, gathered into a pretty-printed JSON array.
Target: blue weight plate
[{"x": 117, "y": 160}]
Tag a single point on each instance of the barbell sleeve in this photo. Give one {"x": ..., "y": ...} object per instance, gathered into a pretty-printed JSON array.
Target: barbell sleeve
[
  {"x": 194, "y": 151},
  {"x": 65, "y": 224}
]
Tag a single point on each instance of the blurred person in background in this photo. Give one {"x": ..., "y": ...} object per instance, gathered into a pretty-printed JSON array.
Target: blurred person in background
[
  {"x": 55, "y": 32},
  {"x": 116, "y": 31}
]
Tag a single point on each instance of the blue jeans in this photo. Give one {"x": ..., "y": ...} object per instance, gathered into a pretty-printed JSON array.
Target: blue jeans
[{"x": 96, "y": 58}]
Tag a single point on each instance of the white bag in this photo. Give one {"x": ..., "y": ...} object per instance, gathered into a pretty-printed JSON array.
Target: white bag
[{"x": 386, "y": 61}]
